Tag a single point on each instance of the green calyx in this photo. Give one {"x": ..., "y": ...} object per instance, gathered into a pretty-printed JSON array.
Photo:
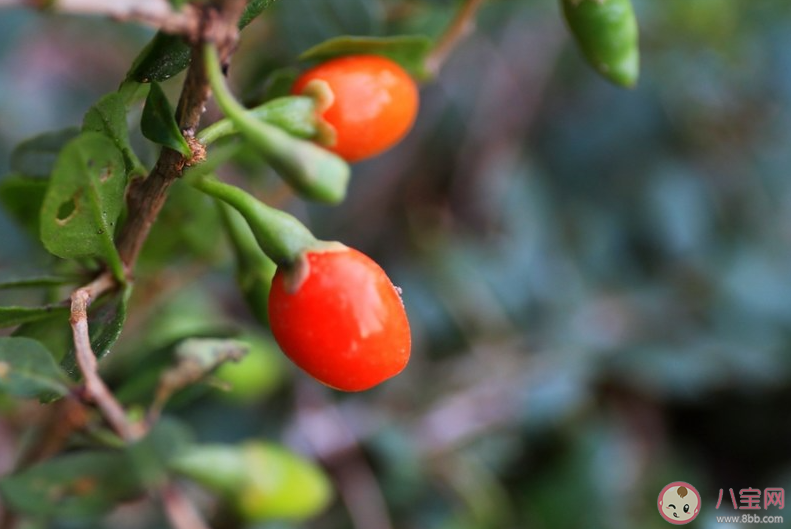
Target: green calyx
[
  {"x": 607, "y": 34},
  {"x": 312, "y": 171},
  {"x": 280, "y": 235},
  {"x": 294, "y": 114}
]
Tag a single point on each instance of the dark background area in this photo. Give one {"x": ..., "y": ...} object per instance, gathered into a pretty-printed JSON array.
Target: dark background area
[{"x": 598, "y": 280}]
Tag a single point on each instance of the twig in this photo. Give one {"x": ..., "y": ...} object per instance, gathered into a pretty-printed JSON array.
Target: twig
[
  {"x": 156, "y": 13},
  {"x": 461, "y": 26},
  {"x": 95, "y": 388},
  {"x": 179, "y": 509}
]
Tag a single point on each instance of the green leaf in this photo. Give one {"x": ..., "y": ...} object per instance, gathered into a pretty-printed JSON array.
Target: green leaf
[
  {"x": 73, "y": 485},
  {"x": 304, "y": 23},
  {"x": 162, "y": 58},
  {"x": 279, "y": 82},
  {"x": 410, "y": 51},
  {"x": 106, "y": 324},
  {"x": 108, "y": 117},
  {"x": 84, "y": 200},
  {"x": 54, "y": 333},
  {"x": 166, "y": 55},
  {"x": 28, "y": 370},
  {"x": 36, "y": 157},
  {"x": 607, "y": 33},
  {"x": 35, "y": 282},
  {"x": 11, "y": 316},
  {"x": 158, "y": 123},
  {"x": 22, "y": 198}
]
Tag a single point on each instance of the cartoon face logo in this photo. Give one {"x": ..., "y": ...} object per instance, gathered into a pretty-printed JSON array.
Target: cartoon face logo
[{"x": 679, "y": 503}]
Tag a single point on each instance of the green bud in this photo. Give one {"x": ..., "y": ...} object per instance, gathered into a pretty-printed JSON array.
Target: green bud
[
  {"x": 607, "y": 33},
  {"x": 262, "y": 481},
  {"x": 257, "y": 374}
]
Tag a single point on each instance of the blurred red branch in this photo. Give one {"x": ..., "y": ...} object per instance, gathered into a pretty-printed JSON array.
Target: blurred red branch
[
  {"x": 157, "y": 13},
  {"x": 179, "y": 509},
  {"x": 462, "y": 25}
]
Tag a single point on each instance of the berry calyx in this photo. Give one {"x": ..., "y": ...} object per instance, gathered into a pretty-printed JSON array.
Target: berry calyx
[
  {"x": 338, "y": 317},
  {"x": 374, "y": 103}
]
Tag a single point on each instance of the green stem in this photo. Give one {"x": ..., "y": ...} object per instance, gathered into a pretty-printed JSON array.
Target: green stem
[
  {"x": 311, "y": 170},
  {"x": 280, "y": 235}
]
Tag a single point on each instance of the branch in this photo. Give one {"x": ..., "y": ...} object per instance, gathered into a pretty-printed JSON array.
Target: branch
[
  {"x": 155, "y": 13},
  {"x": 179, "y": 509},
  {"x": 462, "y": 25},
  {"x": 146, "y": 197},
  {"x": 95, "y": 388}
]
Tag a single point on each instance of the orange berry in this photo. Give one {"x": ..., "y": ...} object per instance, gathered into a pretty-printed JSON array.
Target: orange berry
[{"x": 375, "y": 103}]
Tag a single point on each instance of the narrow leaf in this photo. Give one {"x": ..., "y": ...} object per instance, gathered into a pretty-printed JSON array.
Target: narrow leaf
[
  {"x": 108, "y": 117},
  {"x": 84, "y": 200},
  {"x": 35, "y": 282},
  {"x": 158, "y": 123},
  {"x": 410, "y": 51},
  {"x": 28, "y": 370},
  {"x": 11, "y": 316}
]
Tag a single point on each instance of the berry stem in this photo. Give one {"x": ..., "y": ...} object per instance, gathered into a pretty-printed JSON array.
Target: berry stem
[{"x": 281, "y": 236}]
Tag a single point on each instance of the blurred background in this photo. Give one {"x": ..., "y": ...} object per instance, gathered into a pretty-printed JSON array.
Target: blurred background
[{"x": 598, "y": 280}]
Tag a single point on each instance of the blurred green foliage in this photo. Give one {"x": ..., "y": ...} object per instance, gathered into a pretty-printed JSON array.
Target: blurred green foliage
[{"x": 598, "y": 280}]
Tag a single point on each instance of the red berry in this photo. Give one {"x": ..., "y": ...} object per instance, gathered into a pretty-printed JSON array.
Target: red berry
[
  {"x": 340, "y": 319},
  {"x": 375, "y": 103}
]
